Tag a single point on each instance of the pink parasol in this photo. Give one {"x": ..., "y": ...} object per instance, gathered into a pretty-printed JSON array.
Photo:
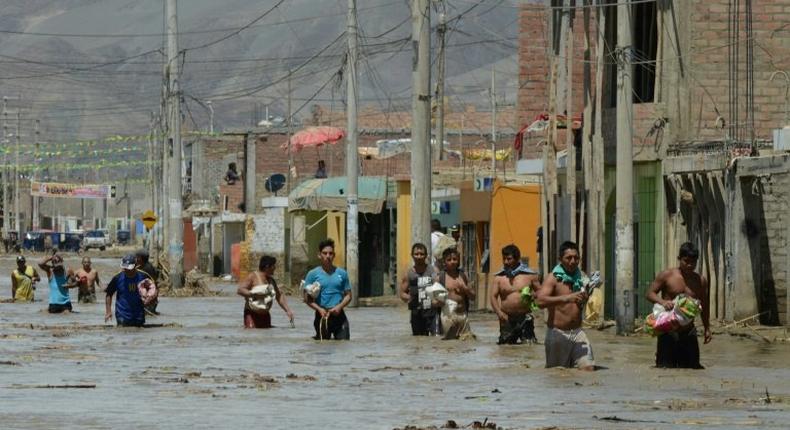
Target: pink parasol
[{"x": 315, "y": 136}]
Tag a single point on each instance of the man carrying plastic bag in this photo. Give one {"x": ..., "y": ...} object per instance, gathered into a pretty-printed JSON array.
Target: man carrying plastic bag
[{"x": 680, "y": 288}]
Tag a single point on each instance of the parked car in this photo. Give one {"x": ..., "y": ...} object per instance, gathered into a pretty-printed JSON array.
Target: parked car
[
  {"x": 71, "y": 242},
  {"x": 123, "y": 237},
  {"x": 95, "y": 239},
  {"x": 34, "y": 240}
]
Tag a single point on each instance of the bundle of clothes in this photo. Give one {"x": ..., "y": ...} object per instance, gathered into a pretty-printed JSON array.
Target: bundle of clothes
[{"x": 682, "y": 314}]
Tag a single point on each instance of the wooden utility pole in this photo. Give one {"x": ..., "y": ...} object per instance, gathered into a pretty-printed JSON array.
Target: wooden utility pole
[
  {"x": 352, "y": 163},
  {"x": 175, "y": 247},
  {"x": 421, "y": 120},
  {"x": 570, "y": 149},
  {"x": 624, "y": 226}
]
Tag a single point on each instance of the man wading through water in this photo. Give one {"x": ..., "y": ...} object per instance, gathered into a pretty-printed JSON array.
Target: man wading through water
[
  {"x": 680, "y": 349},
  {"x": 129, "y": 310},
  {"x": 412, "y": 289},
  {"x": 562, "y": 293},
  {"x": 330, "y": 319},
  {"x": 516, "y": 323},
  {"x": 23, "y": 281},
  {"x": 88, "y": 279}
]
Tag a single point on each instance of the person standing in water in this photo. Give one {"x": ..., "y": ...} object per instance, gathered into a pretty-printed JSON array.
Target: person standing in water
[
  {"x": 419, "y": 276},
  {"x": 680, "y": 349},
  {"x": 330, "y": 318},
  {"x": 88, "y": 279},
  {"x": 562, "y": 293},
  {"x": 23, "y": 280},
  {"x": 58, "y": 278},
  {"x": 264, "y": 275}
]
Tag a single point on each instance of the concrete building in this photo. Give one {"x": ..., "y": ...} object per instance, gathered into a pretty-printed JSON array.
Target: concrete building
[{"x": 710, "y": 86}]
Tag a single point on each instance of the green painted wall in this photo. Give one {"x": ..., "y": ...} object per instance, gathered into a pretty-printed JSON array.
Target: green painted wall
[{"x": 648, "y": 231}]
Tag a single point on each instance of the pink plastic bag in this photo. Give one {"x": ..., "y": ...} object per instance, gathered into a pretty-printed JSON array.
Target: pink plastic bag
[
  {"x": 148, "y": 291},
  {"x": 666, "y": 322}
]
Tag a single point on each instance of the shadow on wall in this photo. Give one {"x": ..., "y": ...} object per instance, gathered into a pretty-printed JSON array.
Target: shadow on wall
[{"x": 753, "y": 228}]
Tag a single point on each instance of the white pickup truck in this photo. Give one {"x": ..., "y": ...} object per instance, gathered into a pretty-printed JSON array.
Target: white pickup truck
[{"x": 95, "y": 239}]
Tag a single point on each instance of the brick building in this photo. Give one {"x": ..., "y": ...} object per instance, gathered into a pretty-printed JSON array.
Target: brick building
[{"x": 709, "y": 85}]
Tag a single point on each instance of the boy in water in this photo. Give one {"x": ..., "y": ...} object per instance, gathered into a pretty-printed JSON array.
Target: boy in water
[
  {"x": 419, "y": 276},
  {"x": 455, "y": 310}
]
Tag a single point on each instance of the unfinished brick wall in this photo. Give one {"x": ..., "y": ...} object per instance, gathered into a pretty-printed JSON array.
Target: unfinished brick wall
[
  {"x": 708, "y": 55},
  {"x": 535, "y": 69}
]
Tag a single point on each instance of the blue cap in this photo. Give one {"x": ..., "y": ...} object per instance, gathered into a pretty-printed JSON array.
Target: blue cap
[{"x": 128, "y": 262}]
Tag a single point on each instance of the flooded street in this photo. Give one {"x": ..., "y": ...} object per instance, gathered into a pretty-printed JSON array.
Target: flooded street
[{"x": 199, "y": 368}]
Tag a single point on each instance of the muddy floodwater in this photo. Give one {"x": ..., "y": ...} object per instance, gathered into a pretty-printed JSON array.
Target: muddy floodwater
[{"x": 199, "y": 369}]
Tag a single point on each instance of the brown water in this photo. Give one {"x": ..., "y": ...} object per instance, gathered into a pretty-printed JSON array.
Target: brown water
[{"x": 201, "y": 369}]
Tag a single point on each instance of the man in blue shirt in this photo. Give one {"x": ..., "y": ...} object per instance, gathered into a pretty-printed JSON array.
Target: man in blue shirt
[
  {"x": 129, "y": 310},
  {"x": 330, "y": 319}
]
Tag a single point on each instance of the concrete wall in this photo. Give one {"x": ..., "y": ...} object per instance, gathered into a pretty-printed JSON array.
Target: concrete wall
[{"x": 759, "y": 238}]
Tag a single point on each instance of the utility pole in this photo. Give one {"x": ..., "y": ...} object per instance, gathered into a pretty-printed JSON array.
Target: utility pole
[
  {"x": 16, "y": 175},
  {"x": 570, "y": 148},
  {"x": 493, "y": 122},
  {"x": 586, "y": 234},
  {"x": 440, "y": 66},
  {"x": 290, "y": 133},
  {"x": 175, "y": 248},
  {"x": 6, "y": 212},
  {"x": 598, "y": 207},
  {"x": 624, "y": 226},
  {"x": 34, "y": 221},
  {"x": 421, "y": 119},
  {"x": 352, "y": 165}
]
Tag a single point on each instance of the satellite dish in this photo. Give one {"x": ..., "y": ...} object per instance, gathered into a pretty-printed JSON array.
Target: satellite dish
[{"x": 275, "y": 183}]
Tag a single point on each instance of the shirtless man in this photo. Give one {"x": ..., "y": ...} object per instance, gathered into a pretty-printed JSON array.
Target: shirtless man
[
  {"x": 680, "y": 349},
  {"x": 515, "y": 316},
  {"x": 561, "y": 293},
  {"x": 88, "y": 280},
  {"x": 419, "y": 276},
  {"x": 454, "y": 312}
]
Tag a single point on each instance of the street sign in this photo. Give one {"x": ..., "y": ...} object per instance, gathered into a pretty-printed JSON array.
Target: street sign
[
  {"x": 436, "y": 208},
  {"x": 149, "y": 219},
  {"x": 484, "y": 184}
]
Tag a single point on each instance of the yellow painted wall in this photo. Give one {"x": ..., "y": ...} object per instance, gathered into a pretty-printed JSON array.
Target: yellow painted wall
[
  {"x": 403, "y": 228},
  {"x": 336, "y": 230},
  {"x": 515, "y": 218}
]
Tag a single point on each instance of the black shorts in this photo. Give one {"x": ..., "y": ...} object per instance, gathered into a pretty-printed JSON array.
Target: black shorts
[
  {"x": 424, "y": 322},
  {"x": 678, "y": 350},
  {"x": 57, "y": 309},
  {"x": 335, "y": 326},
  {"x": 129, "y": 323},
  {"x": 517, "y": 329}
]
